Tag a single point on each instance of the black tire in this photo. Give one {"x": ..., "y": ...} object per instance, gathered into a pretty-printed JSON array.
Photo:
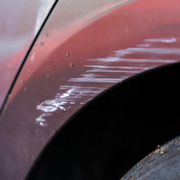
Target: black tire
[{"x": 162, "y": 164}]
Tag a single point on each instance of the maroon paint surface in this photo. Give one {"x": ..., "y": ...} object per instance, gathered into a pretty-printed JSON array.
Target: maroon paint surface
[
  {"x": 19, "y": 25},
  {"x": 58, "y": 79}
]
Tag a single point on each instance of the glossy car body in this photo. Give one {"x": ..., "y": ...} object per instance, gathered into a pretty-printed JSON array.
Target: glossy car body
[{"x": 81, "y": 51}]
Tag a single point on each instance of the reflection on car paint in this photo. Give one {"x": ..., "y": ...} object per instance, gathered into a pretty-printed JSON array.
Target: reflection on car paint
[
  {"x": 111, "y": 73},
  {"x": 33, "y": 55},
  {"x": 43, "y": 11},
  {"x": 18, "y": 27}
]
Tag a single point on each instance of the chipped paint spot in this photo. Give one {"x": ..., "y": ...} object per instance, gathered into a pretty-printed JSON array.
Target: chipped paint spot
[
  {"x": 25, "y": 89},
  {"x": 67, "y": 54},
  {"x": 48, "y": 76},
  {"x": 21, "y": 81},
  {"x": 71, "y": 65}
]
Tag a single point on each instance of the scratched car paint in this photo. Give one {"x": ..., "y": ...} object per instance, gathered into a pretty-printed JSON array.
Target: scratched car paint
[{"x": 75, "y": 59}]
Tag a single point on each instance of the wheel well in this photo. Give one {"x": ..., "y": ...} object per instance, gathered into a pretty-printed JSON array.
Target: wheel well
[{"x": 110, "y": 134}]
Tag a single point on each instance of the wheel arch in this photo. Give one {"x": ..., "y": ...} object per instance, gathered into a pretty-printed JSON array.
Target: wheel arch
[{"x": 115, "y": 130}]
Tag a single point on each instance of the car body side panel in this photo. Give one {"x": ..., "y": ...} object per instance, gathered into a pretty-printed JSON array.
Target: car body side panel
[
  {"x": 70, "y": 65},
  {"x": 19, "y": 23}
]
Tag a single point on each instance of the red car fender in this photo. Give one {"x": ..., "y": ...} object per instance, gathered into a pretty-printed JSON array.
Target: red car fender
[{"x": 67, "y": 68}]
